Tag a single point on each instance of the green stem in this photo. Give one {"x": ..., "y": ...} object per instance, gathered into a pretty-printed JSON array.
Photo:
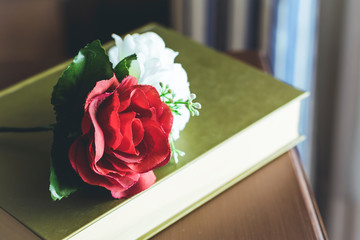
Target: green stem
[
  {"x": 181, "y": 102},
  {"x": 176, "y": 102},
  {"x": 27, "y": 129}
]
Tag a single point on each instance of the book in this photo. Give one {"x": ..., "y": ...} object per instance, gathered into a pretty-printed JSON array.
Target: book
[{"x": 248, "y": 118}]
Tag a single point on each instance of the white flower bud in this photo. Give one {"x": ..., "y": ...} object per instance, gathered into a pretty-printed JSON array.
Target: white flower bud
[{"x": 197, "y": 105}]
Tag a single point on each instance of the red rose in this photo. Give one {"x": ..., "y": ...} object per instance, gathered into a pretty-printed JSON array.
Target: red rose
[{"x": 125, "y": 131}]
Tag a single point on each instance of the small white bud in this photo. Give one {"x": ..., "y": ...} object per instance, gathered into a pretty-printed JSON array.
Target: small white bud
[
  {"x": 181, "y": 153},
  {"x": 197, "y": 105}
]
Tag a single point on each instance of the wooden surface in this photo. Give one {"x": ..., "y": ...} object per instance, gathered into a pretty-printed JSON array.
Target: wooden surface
[{"x": 275, "y": 202}]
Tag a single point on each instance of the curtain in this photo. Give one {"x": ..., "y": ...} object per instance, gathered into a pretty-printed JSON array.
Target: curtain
[{"x": 338, "y": 106}]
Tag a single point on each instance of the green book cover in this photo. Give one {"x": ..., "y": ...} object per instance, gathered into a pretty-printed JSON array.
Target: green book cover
[{"x": 233, "y": 95}]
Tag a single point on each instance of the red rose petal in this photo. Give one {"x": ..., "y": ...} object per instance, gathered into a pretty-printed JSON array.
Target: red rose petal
[
  {"x": 119, "y": 165},
  {"x": 126, "y": 83},
  {"x": 98, "y": 133},
  {"x": 102, "y": 87},
  {"x": 124, "y": 90},
  {"x": 145, "y": 181},
  {"x": 128, "y": 158},
  {"x": 126, "y": 181},
  {"x": 86, "y": 124},
  {"x": 163, "y": 112},
  {"x": 139, "y": 103},
  {"x": 131, "y": 158},
  {"x": 103, "y": 167},
  {"x": 124, "y": 101},
  {"x": 109, "y": 121},
  {"x": 152, "y": 96},
  {"x": 158, "y": 148},
  {"x": 99, "y": 167},
  {"x": 166, "y": 119},
  {"x": 80, "y": 162},
  {"x": 127, "y": 145},
  {"x": 137, "y": 131},
  {"x": 110, "y": 180}
]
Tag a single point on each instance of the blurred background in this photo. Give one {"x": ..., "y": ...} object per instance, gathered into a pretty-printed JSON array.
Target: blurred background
[{"x": 311, "y": 44}]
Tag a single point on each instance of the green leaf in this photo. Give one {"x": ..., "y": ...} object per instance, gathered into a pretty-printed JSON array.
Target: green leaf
[
  {"x": 88, "y": 67},
  {"x": 63, "y": 174},
  {"x": 122, "y": 68},
  {"x": 57, "y": 190}
]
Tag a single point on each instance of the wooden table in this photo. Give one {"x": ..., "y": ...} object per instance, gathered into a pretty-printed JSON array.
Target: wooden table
[{"x": 275, "y": 202}]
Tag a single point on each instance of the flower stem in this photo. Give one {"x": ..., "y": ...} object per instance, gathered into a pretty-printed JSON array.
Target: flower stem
[{"x": 27, "y": 129}]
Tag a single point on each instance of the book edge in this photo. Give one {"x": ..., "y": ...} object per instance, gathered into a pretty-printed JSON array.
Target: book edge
[
  {"x": 28, "y": 81},
  {"x": 221, "y": 189}
]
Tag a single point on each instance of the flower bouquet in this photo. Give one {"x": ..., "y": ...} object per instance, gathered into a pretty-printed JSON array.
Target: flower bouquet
[{"x": 117, "y": 116}]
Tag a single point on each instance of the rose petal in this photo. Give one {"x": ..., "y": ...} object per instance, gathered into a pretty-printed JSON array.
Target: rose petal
[
  {"x": 152, "y": 96},
  {"x": 80, "y": 162},
  {"x": 127, "y": 145},
  {"x": 166, "y": 119},
  {"x": 102, "y": 87},
  {"x": 138, "y": 131},
  {"x": 145, "y": 181},
  {"x": 126, "y": 181},
  {"x": 163, "y": 112},
  {"x": 139, "y": 103},
  {"x": 124, "y": 90},
  {"x": 131, "y": 158},
  {"x": 126, "y": 84},
  {"x": 124, "y": 101},
  {"x": 99, "y": 166},
  {"x": 112, "y": 179},
  {"x": 158, "y": 148},
  {"x": 98, "y": 133},
  {"x": 119, "y": 165},
  {"x": 109, "y": 120}
]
